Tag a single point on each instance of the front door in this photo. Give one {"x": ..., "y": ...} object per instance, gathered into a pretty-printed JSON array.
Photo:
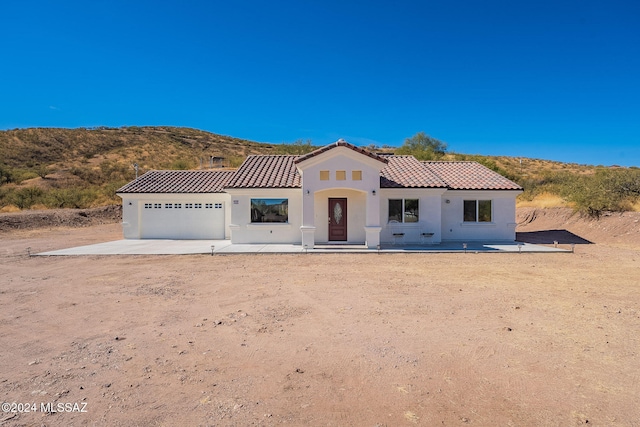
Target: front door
[{"x": 338, "y": 220}]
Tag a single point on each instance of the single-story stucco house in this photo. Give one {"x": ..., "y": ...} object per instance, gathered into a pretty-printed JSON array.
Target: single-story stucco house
[{"x": 334, "y": 195}]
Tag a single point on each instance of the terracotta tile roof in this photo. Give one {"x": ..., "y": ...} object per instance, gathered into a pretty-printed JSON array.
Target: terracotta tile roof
[
  {"x": 470, "y": 176},
  {"x": 407, "y": 172},
  {"x": 267, "y": 172},
  {"x": 341, "y": 143},
  {"x": 259, "y": 171},
  {"x": 189, "y": 181}
]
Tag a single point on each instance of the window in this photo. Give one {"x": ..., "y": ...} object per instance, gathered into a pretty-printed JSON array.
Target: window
[
  {"x": 404, "y": 210},
  {"x": 178, "y": 205},
  {"x": 341, "y": 175},
  {"x": 269, "y": 210},
  {"x": 356, "y": 175},
  {"x": 168, "y": 205},
  {"x": 324, "y": 175},
  {"x": 218, "y": 205},
  {"x": 188, "y": 205},
  {"x": 198, "y": 205},
  {"x": 157, "y": 205},
  {"x": 477, "y": 211},
  {"x": 208, "y": 205},
  {"x": 148, "y": 205}
]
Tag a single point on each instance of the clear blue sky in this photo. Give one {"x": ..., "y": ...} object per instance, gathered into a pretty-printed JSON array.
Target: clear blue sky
[{"x": 554, "y": 79}]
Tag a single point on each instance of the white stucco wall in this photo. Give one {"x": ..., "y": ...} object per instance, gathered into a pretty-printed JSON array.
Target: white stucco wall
[
  {"x": 183, "y": 223},
  {"x": 502, "y": 226},
  {"x": 429, "y": 206},
  {"x": 244, "y": 231}
]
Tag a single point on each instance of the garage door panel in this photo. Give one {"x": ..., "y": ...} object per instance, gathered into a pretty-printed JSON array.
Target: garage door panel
[{"x": 183, "y": 223}]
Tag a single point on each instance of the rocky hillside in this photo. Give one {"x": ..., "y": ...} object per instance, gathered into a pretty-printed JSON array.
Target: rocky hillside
[
  {"x": 45, "y": 168},
  {"x": 81, "y": 168}
]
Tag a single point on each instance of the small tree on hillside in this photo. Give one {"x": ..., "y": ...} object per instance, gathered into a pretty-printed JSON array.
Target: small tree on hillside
[{"x": 423, "y": 147}]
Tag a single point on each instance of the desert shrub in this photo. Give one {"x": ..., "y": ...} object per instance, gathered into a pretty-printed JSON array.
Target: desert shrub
[
  {"x": 77, "y": 198},
  {"x": 15, "y": 175},
  {"x": 23, "y": 198},
  {"x": 298, "y": 147},
  {"x": 6, "y": 175},
  {"x": 181, "y": 164},
  {"x": 4, "y": 196},
  {"x": 114, "y": 171},
  {"x": 235, "y": 161},
  {"x": 607, "y": 190},
  {"x": 88, "y": 174},
  {"x": 107, "y": 193},
  {"x": 42, "y": 171}
]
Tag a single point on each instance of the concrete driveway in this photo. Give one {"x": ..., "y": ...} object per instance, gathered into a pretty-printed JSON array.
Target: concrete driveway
[
  {"x": 143, "y": 247},
  {"x": 220, "y": 247}
]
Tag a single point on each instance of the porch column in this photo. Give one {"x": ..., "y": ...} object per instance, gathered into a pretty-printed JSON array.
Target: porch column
[
  {"x": 372, "y": 228},
  {"x": 308, "y": 227}
]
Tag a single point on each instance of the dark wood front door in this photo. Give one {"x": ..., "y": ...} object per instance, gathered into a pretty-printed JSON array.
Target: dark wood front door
[{"x": 338, "y": 220}]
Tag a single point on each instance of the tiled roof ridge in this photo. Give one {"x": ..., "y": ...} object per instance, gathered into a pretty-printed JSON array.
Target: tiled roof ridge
[
  {"x": 341, "y": 143},
  {"x": 405, "y": 171},
  {"x": 208, "y": 181},
  {"x": 266, "y": 171},
  {"x": 491, "y": 180}
]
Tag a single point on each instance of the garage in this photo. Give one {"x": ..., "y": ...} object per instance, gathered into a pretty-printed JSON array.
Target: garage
[
  {"x": 176, "y": 205},
  {"x": 182, "y": 220}
]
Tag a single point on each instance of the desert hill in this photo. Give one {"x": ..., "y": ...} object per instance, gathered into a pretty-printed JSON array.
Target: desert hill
[
  {"x": 45, "y": 168},
  {"x": 81, "y": 168}
]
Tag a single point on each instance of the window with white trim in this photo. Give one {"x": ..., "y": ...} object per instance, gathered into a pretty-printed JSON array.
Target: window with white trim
[
  {"x": 404, "y": 210},
  {"x": 269, "y": 210},
  {"x": 477, "y": 211}
]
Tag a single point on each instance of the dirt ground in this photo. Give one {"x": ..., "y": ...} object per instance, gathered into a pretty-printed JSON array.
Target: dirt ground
[{"x": 324, "y": 339}]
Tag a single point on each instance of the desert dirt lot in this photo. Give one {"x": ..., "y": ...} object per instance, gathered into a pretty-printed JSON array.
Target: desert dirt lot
[{"x": 323, "y": 339}]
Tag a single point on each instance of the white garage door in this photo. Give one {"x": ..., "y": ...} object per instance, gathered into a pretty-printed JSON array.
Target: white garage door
[{"x": 182, "y": 220}]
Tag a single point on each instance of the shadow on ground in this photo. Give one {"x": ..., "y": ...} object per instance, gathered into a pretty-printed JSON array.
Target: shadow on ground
[{"x": 548, "y": 237}]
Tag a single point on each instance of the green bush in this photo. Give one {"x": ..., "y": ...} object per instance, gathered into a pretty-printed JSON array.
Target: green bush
[
  {"x": 88, "y": 174},
  {"x": 298, "y": 147},
  {"x": 613, "y": 190},
  {"x": 6, "y": 175},
  {"x": 423, "y": 147},
  {"x": 23, "y": 198},
  {"x": 76, "y": 198},
  {"x": 181, "y": 164}
]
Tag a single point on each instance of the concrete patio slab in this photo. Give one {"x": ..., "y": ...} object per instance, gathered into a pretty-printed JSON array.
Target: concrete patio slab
[
  {"x": 224, "y": 247},
  {"x": 143, "y": 247}
]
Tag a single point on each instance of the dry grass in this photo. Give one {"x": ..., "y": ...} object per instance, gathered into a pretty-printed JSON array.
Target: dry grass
[
  {"x": 9, "y": 209},
  {"x": 544, "y": 200}
]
